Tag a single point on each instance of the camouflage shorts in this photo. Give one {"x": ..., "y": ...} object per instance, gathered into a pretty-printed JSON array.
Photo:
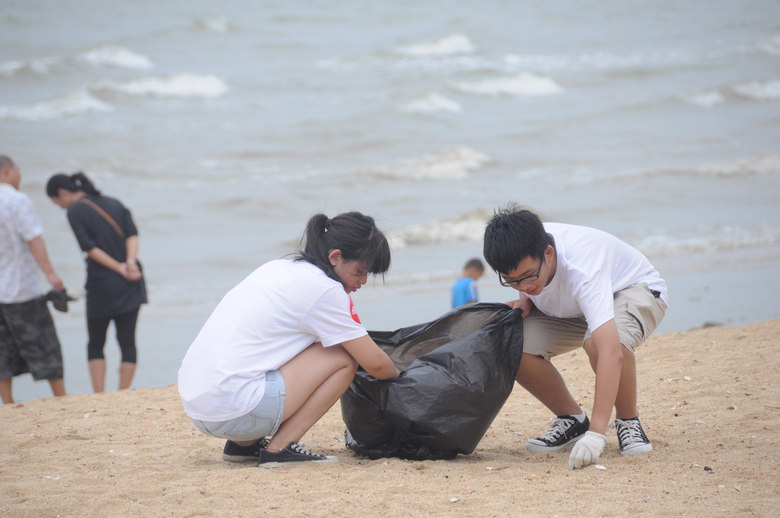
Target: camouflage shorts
[{"x": 28, "y": 341}]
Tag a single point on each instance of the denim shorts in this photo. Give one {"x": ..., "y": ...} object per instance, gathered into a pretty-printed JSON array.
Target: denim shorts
[{"x": 264, "y": 420}]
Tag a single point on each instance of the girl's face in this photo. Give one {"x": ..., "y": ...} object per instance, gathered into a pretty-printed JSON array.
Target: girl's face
[
  {"x": 351, "y": 274},
  {"x": 64, "y": 198}
]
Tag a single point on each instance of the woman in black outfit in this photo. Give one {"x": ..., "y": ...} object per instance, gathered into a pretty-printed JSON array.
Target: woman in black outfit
[{"x": 115, "y": 284}]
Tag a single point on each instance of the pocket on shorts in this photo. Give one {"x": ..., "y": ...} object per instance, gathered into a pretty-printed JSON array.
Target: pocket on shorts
[{"x": 642, "y": 312}]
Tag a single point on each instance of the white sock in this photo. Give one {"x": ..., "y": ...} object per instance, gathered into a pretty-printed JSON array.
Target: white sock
[{"x": 580, "y": 417}]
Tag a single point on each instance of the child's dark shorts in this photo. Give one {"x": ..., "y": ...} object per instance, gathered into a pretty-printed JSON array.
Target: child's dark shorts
[{"x": 28, "y": 341}]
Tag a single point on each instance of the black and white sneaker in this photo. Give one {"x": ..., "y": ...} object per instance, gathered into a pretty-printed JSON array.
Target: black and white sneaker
[
  {"x": 293, "y": 452},
  {"x": 631, "y": 437},
  {"x": 565, "y": 430},
  {"x": 236, "y": 453}
]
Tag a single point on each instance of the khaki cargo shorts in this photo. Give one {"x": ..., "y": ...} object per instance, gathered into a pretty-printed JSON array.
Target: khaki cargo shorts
[{"x": 638, "y": 311}]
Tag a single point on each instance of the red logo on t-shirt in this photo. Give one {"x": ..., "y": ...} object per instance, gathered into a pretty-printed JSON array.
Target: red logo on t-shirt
[{"x": 352, "y": 312}]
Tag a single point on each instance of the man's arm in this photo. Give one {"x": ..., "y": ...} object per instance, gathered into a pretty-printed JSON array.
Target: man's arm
[
  {"x": 38, "y": 250},
  {"x": 609, "y": 361},
  {"x": 608, "y": 365}
]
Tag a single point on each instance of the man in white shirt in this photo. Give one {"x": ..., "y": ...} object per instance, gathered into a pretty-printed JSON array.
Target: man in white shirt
[
  {"x": 579, "y": 287},
  {"x": 28, "y": 340}
]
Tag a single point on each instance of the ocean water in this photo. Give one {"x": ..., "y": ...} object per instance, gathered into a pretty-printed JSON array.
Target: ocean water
[{"x": 224, "y": 127}]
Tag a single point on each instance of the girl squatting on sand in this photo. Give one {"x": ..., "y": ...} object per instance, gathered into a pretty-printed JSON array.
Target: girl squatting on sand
[{"x": 283, "y": 345}]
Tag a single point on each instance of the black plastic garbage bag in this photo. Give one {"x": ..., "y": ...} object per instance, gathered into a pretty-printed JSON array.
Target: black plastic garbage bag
[{"x": 458, "y": 371}]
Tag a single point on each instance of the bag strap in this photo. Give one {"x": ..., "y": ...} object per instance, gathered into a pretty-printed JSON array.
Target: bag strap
[{"x": 104, "y": 214}]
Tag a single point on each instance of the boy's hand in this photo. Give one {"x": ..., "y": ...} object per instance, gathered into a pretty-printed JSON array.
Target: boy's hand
[
  {"x": 587, "y": 450},
  {"x": 523, "y": 304}
]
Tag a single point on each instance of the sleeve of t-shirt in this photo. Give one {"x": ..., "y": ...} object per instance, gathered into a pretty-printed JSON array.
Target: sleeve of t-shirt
[
  {"x": 78, "y": 222},
  {"x": 128, "y": 226},
  {"x": 330, "y": 319},
  {"x": 473, "y": 291},
  {"x": 596, "y": 301},
  {"x": 27, "y": 221}
]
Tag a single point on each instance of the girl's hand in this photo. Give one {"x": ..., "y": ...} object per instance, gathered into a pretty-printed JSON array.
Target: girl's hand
[{"x": 133, "y": 271}]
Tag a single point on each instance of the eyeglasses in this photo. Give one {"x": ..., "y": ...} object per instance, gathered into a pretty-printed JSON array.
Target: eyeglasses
[{"x": 525, "y": 280}]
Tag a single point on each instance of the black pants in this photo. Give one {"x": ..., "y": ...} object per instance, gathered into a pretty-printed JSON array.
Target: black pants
[{"x": 125, "y": 335}]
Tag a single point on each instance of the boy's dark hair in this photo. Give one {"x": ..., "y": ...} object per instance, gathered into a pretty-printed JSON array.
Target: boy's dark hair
[
  {"x": 353, "y": 233},
  {"x": 474, "y": 263},
  {"x": 70, "y": 182},
  {"x": 511, "y": 235}
]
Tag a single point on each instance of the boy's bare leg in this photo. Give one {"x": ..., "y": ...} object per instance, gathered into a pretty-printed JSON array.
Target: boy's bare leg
[
  {"x": 625, "y": 402},
  {"x": 5, "y": 390},
  {"x": 539, "y": 377}
]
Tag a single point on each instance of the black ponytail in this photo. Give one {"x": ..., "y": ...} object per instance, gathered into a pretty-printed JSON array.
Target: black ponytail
[
  {"x": 353, "y": 233},
  {"x": 74, "y": 183}
]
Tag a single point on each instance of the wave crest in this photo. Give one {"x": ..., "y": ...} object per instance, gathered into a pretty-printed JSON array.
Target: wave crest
[
  {"x": 431, "y": 103},
  {"x": 74, "y": 103},
  {"x": 117, "y": 57},
  {"x": 468, "y": 227},
  {"x": 520, "y": 85},
  {"x": 182, "y": 85},
  {"x": 449, "y": 164},
  {"x": 759, "y": 90},
  {"x": 453, "y": 45}
]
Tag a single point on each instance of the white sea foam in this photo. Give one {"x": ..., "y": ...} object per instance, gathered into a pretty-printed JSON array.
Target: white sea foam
[
  {"x": 467, "y": 227},
  {"x": 182, "y": 85},
  {"x": 449, "y": 164},
  {"x": 705, "y": 99},
  {"x": 770, "y": 45},
  {"x": 74, "y": 103},
  {"x": 38, "y": 65},
  {"x": 431, "y": 103},
  {"x": 764, "y": 164},
  {"x": 759, "y": 90},
  {"x": 117, "y": 57},
  {"x": 215, "y": 23},
  {"x": 521, "y": 85},
  {"x": 453, "y": 45},
  {"x": 599, "y": 60},
  {"x": 712, "y": 239}
]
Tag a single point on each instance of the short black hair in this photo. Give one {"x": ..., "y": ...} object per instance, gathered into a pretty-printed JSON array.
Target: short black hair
[
  {"x": 474, "y": 263},
  {"x": 511, "y": 235}
]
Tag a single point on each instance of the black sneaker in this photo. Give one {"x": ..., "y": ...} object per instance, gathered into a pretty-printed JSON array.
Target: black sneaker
[
  {"x": 294, "y": 452},
  {"x": 565, "y": 430},
  {"x": 236, "y": 453},
  {"x": 631, "y": 437}
]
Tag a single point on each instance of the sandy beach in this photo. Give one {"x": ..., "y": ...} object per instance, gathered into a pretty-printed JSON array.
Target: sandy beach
[{"x": 709, "y": 400}]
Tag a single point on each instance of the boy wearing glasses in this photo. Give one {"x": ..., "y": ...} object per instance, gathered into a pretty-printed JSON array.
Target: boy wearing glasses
[{"x": 579, "y": 287}]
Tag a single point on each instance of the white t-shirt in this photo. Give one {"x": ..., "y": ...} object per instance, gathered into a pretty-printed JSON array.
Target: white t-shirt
[
  {"x": 266, "y": 320},
  {"x": 592, "y": 266},
  {"x": 19, "y": 277}
]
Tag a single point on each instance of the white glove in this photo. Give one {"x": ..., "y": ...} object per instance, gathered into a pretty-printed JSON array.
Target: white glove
[{"x": 587, "y": 450}]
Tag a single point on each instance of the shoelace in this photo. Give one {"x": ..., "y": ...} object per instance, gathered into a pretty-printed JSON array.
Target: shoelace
[
  {"x": 300, "y": 448},
  {"x": 559, "y": 427},
  {"x": 629, "y": 432}
]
